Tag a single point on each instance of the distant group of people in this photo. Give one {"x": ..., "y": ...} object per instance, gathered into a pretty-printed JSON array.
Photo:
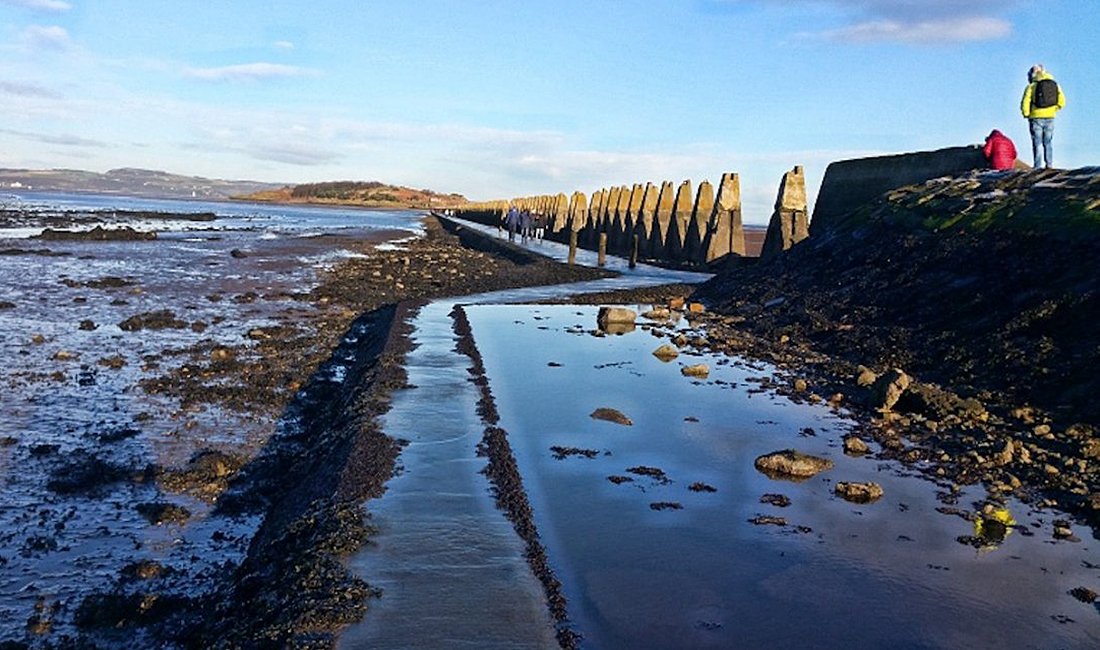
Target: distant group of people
[
  {"x": 526, "y": 223},
  {"x": 1042, "y": 100}
]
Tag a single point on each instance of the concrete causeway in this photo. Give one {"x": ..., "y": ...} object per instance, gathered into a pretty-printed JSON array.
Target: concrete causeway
[{"x": 451, "y": 568}]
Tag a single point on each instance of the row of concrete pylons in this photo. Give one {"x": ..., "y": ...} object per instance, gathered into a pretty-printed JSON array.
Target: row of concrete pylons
[{"x": 661, "y": 223}]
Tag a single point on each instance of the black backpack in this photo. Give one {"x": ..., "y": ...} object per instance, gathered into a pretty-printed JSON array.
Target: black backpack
[{"x": 1045, "y": 94}]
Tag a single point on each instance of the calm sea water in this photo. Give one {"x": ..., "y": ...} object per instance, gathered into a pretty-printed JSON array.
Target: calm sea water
[{"x": 232, "y": 215}]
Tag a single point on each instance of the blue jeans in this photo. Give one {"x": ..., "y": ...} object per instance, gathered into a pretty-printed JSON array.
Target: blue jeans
[{"x": 1042, "y": 132}]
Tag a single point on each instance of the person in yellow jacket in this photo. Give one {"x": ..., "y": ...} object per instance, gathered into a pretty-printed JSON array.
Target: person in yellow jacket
[{"x": 1042, "y": 100}]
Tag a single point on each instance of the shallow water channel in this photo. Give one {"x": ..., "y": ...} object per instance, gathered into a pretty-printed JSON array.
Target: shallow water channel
[
  {"x": 671, "y": 559},
  {"x": 696, "y": 573}
]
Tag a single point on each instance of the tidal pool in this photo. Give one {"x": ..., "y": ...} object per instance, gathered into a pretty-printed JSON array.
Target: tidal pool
[{"x": 654, "y": 559}]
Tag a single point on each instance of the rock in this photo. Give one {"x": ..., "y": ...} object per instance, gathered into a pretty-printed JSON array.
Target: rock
[
  {"x": 777, "y": 500},
  {"x": 65, "y": 355},
  {"x": 854, "y": 446},
  {"x": 655, "y": 473},
  {"x": 859, "y": 492},
  {"x": 697, "y": 370},
  {"x": 666, "y": 352},
  {"x": 936, "y": 403},
  {"x": 1062, "y": 530},
  {"x": 865, "y": 377},
  {"x": 696, "y": 308},
  {"x": 1080, "y": 430},
  {"x": 221, "y": 354},
  {"x": 163, "y": 513},
  {"x": 611, "y": 415},
  {"x": 1084, "y": 594},
  {"x": 87, "y": 325},
  {"x": 658, "y": 314},
  {"x": 676, "y": 303},
  {"x": 789, "y": 463},
  {"x": 699, "y": 486},
  {"x": 1091, "y": 449},
  {"x": 237, "y": 253},
  {"x": 800, "y": 385},
  {"x": 154, "y": 320},
  {"x": 4, "y": 304},
  {"x": 768, "y": 520},
  {"x": 99, "y": 233},
  {"x": 887, "y": 389},
  {"x": 665, "y": 505},
  {"x": 616, "y": 315}
]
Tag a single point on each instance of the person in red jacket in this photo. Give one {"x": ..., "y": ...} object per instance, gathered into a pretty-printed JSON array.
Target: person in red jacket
[{"x": 999, "y": 151}]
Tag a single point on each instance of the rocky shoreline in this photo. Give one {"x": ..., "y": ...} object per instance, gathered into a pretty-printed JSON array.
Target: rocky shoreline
[{"x": 956, "y": 319}]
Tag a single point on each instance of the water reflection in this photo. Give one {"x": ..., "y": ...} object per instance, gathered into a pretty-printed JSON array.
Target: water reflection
[{"x": 648, "y": 562}]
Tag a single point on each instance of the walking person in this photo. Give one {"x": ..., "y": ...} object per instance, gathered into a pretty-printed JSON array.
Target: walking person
[
  {"x": 540, "y": 226},
  {"x": 1042, "y": 100},
  {"x": 512, "y": 222},
  {"x": 524, "y": 225}
]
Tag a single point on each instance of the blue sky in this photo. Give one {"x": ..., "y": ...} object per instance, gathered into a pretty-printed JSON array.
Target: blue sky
[{"x": 502, "y": 98}]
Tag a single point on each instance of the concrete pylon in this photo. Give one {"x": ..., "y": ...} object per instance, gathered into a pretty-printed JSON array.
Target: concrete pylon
[
  {"x": 561, "y": 212},
  {"x": 586, "y": 237},
  {"x": 616, "y": 235},
  {"x": 630, "y": 219},
  {"x": 662, "y": 219},
  {"x": 697, "y": 226},
  {"x": 789, "y": 223},
  {"x": 578, "y": 211},
  {"x": 646, "y": 223},
  {"x": 611, "y": 204},
  {"x": 676, "y": 238},
  {"x": 726, "y": 233}
]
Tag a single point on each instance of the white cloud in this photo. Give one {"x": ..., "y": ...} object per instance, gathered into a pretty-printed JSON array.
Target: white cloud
[
  {"x": 46, "y": 37},
  {"x": 247, "y": 72},
  {"x": 27, "y": 90},
  {"x": 283, "y": 45},
  {"x": 910, "y": 21},
  {"x": 951, "y": 30},
  {"x": 39, "y": 5},
  {"x": 63, "y": 139}
]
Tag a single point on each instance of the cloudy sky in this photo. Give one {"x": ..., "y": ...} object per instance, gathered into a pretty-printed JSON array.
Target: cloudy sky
[{"x": 500, "y": 98}]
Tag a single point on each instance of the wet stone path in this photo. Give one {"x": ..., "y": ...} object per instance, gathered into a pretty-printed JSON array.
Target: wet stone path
[{"x": 450, "y": 566}]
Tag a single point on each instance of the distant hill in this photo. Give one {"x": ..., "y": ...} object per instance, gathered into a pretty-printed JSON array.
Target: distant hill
[
  {"x": 129, "y": 181},
  {"x": 362, "y": 193}
]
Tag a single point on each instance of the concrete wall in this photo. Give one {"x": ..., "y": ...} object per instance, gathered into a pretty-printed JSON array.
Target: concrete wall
[
  {"x": 668, "y": 223},
  {"x": 850, "y": 184}
]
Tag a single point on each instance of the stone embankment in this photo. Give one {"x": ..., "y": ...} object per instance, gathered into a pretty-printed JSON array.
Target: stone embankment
[{"x": 661, "y": 223}]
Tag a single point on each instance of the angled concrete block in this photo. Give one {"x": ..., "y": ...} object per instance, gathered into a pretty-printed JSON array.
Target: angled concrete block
[
  {"x": 697, "y": 226},
  {"x": 789, "y": 223}
]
